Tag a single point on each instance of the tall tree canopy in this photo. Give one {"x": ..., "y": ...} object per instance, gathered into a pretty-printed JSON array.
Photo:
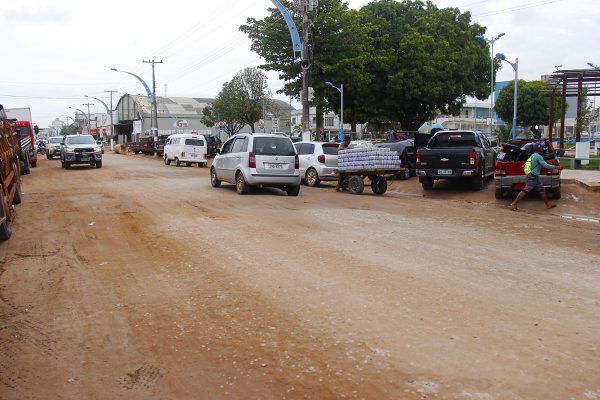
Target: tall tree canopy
[
  {"x": 398, "y": 61},
  {"x": 533, "y": 108}
]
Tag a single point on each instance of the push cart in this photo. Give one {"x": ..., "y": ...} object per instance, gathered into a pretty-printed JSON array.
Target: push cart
[{"x": 354, "y": 179}]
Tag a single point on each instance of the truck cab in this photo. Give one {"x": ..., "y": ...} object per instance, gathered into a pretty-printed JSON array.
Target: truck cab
[{"x": 27, "y": 141}]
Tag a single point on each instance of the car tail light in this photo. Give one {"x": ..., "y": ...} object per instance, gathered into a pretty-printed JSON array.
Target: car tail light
[
  {"x": 296, "y": 162},
  {"x": 418, "y": 160},
  {"x": 321, "y": 159},
  {"x": 251, "y": 160},
  {"x": 472, "y": 158},
  {"x": 500, "y": 172},
  {"x": 182, "y": 154}
]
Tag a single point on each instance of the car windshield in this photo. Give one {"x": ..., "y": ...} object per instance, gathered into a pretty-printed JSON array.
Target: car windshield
[
  {"x": 81, "y": 140},
  {"x": 55, "y": 140},
  {"x": 330, "y": 149},
  {"x": 194, "y": 142},
  {"x": 454, "y": 139},
  {"x": 273, "y": 146}
]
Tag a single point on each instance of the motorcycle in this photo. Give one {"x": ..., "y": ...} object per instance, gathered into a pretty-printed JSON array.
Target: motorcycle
[{"x": 41, "y": 149}]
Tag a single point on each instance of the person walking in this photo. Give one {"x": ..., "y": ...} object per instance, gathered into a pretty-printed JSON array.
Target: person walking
[{"x": 534, "y": 181}]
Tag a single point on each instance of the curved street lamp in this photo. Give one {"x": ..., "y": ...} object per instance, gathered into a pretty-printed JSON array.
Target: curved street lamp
[
  {"x": 593, "y": 66},
  {"x": 515, "y": 66},
  {"x": 491, "y": 42},
  {"x": 148, "y": 91},
  {"x": 103, "y": 103},
  {"x": 340, "y": 89}
]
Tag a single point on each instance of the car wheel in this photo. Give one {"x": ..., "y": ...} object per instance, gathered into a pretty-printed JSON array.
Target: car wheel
[
  {"x": 177, "y": 162},
  {"x": 240, "y": 184},
  {"x": 99, "y": 164},
  {"x": 5, "y": 231},
  {"x": 356, "y": 185},
  {"x": 499, "y": 193},
  {"x": 378, "y": 184},
  {"x": 292, "y": 190},
  {"x": 426, "y": 182},
  {"x": 167, "y": 160},
  {"x": 479, "y": 180},
  {"x": 556, "y": 193},
  {"x": 312, "y": 178},
  {"x": 214, "y": 181}
]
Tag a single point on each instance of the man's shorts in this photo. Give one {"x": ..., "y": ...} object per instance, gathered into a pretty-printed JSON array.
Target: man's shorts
[{"x": 534, "y": 182}]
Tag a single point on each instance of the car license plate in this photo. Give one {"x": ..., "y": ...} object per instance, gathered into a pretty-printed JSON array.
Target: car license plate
[
  {"x": 274, "y": 165},
  {"x": 193, "y": 155},
  {"x": 85, "y": 159},
  {"x": 444, "y": 172}
]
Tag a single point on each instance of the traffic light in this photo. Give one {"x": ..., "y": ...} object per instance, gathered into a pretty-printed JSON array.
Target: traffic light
[{"x": 36, "y": 129}]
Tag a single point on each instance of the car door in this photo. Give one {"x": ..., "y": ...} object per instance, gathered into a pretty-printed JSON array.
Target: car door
[
  {"x": 222, "y": 162},
  {"x": 305, "y": 153}
]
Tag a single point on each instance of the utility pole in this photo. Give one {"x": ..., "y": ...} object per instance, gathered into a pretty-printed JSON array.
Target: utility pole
[
  {"x": 154, "y": 127},
  {"x": 304, "y": 7},
  {"x": 89, "y": 122},
  {"x": 112, "y": 126}
]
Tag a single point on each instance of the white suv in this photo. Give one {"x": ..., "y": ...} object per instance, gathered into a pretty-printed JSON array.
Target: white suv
[{"x": 261, "y": 160}]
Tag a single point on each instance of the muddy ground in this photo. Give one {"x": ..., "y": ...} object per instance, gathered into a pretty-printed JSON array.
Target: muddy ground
[{"x": 141, "y": 281}]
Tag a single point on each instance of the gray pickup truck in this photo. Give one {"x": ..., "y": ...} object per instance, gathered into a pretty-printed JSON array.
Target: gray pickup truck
[
  {"x": 80, "y": 149},
  {"x": 455, "y": 155}
]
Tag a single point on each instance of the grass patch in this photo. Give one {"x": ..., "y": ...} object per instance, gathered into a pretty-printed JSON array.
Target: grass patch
[{"x": 565, "y": 162}]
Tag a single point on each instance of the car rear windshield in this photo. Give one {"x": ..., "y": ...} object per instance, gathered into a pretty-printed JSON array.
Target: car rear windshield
[
  {"x": 81, "y": 140},
  {"x": 275, "y": 146},
  {"x": 55, "y": 140},
  {"x": 454, "y": 139},
  {"x": 330, "y": 149},
  {"x": 194, "y": 142}
]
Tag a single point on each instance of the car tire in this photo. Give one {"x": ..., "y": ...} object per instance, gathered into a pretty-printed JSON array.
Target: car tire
[
  {"x": 499, "y": 194},
  {"x": 167, "y": 160},
  {"x": 479, "y": 180},
  {"x": 17, "y": 198},
  {"x": 378, "y": 184},
  {"x": 356, "y": 185},
  {"x": 177, "y": 162},
  {"x": 556, "y": 193},
  {"x": 240, "y": 183},
  {"x": 292, "y": 190},
  {"x": 426, "y": 182},
  {"x": 312, "y": 178},
  {"x": 214, "y": 181},
  {"x": 5, "y": 231},
  {"x": 99, "y": 164}
]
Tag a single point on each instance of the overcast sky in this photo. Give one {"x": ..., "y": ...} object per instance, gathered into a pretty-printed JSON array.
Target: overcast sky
[{"x": 55, "y": 52}]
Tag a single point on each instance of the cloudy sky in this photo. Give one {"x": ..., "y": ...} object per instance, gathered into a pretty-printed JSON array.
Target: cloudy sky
[{"x": 55, "y": 52}]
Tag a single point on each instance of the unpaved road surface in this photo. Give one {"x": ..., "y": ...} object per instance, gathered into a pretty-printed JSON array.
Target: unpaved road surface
[{"x": 141, "y": 281}]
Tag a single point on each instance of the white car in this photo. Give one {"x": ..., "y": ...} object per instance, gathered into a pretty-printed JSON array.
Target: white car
[
  {"x": 53, "y": 147},
  {"x": 318, "y": 161},
  {"x": 186, "y": 148},
  {"x": 261, "y": 160}
]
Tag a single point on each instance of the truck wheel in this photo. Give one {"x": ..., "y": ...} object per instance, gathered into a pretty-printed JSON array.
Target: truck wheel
[
  {"x": 214, "y": 181},
  {"x": 312, "y": 178},
  {"x": 177, "y": 162},
  {"x": 499, "y": 193},
  {"x": 356, "y": 185},
  {"x": 26, "y": 170},
  {"x": 17, "y": 197},
  {"x": 240, "y": 184},
  {"x": 5, "y": 231},
  {"x": 167, "y": 160},
  {"x": 479, "y": 180},
  {"x": 378, "y": 184},
  {"x": 99, "y": 164},
  {"x": 426, "y": 182},
  {"x": 556, "y": 193}
]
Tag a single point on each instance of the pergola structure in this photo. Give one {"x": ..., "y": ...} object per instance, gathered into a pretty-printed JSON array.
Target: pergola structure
[{"x": 571, "y": 83}]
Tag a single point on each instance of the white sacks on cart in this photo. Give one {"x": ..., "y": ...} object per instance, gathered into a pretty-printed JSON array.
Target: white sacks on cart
[{"x": 368, "y": 158}]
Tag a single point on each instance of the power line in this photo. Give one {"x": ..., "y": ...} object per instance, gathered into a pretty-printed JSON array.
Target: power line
[{"x": 516, "y": 8}]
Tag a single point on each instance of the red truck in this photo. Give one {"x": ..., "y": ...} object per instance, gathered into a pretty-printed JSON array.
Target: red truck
[
  {"x": 509, "y": 174},
  {"x": 28, "y": 155}
]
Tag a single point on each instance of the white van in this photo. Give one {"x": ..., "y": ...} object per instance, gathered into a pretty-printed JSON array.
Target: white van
[{"x": 186, "y": 148}]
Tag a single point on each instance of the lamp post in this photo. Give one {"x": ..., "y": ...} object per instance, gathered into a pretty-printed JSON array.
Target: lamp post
[
  {"x": 491, "y": 42},
  {"x": 80, "y": 112},
  {"x": 341, "y": 90},
  {"x": 88, "y": 114},
  {"x": 515, "y": 66},
  {"x": 103, "y": 103},
  {"x": 148, "y": 91}
]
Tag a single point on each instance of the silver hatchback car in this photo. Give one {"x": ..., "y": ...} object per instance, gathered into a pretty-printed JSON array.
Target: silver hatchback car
[
  {"x": 261, "y": 160},
  {"x": 318, "y": 161}
]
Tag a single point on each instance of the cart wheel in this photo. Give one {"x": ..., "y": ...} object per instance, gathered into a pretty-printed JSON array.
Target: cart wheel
[
  {"x": 356, "y": 185},
  {"x": 378, "y": 184}
]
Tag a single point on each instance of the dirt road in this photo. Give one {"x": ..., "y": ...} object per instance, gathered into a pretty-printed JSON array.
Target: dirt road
[{"x": 141, "y": 281}]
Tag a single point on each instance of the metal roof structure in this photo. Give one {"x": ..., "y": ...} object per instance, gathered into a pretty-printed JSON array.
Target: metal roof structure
[{"x": 578, "y": 83}]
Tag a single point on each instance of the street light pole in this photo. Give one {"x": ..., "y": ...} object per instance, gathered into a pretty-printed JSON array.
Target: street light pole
[
  {"x": 341, "y": 90},
  {"x": 597, "y": 123},
  {"x": 112, "y": 125},
  {"x": 154, "y": 129},
  {"x": 491, "y": 42},
  {"x": 88, "y": 114},
  {"x": 515, "y": 66}
]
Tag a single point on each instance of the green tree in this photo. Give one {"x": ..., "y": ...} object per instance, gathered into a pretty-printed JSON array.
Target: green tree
[
  {"x": 240, "y": 102},
  {"x": 69, "y": 130},
  {"x": 533, "y": 104}
]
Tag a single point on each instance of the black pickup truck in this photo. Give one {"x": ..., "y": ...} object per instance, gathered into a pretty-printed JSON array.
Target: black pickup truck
[{"x": 454, "y": 155}]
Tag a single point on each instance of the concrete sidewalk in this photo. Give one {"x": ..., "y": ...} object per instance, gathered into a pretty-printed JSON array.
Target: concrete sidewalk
[{"x": 590, "y": 179}]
